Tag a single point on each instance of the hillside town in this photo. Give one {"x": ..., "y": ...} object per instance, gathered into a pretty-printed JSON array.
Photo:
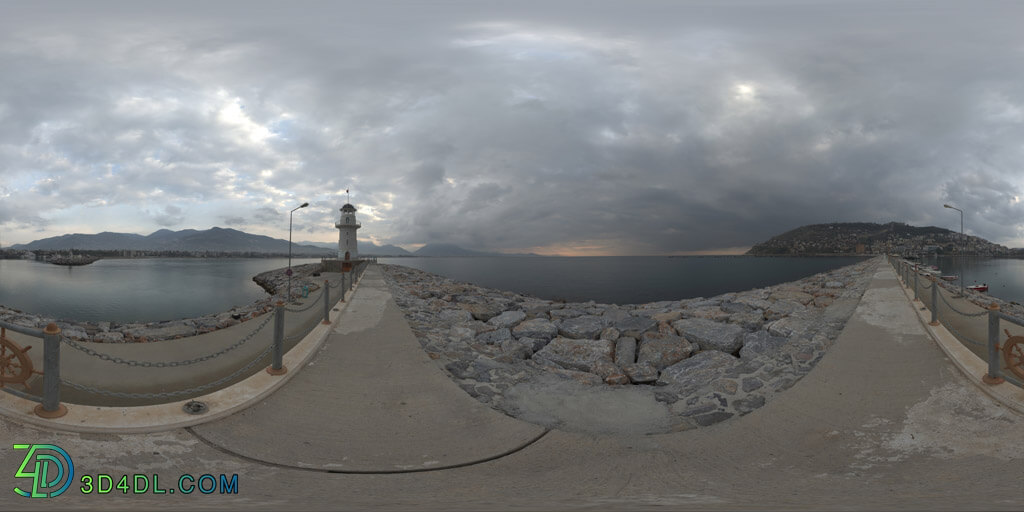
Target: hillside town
[{"x": 871, "y": 238}]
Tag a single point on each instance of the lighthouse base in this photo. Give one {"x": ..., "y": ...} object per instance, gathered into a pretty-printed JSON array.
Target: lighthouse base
[{"x": 336, "y": 265}]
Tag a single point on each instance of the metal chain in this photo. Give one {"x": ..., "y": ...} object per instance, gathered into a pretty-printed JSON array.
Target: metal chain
[
  {"x": 963, "y": 337},
  {"x": 926, "y": 287},
  {"x": 162, "y": 364},
  {"x": 170, "y": 394},
  {"x": 957, "y": 310},
  {"x": 308, "y": 306}
]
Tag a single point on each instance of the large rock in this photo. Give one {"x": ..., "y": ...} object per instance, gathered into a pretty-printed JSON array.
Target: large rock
[
  {"x": 735, "y": 307},
  {"x": 612, "y": 316},
  {"x": 455, "y": 316},
  {"x": 482, "y": 312},
  {"x": 641, "y": 373},
  {"x": 635, "y": 326},
  {"x": 496, "y": 337},
  {"x": 753, "y": 301},
  {"x": 760, "y": 343},
  {"x": 507, "y": 319},
  {"x": 750, "y": 320},
  {"x": 790, "y": 326},
  {"x": 708, "y": 312},
  {"x": 458, "y": 332},
  {"x": 701, "y": 369},
  {"x": 610, "y": 334},
  {"x": 534, "y": 343},
  {"x": 662, "y": 350},
  {"x": 538, "y": 328},
  {"x": 582, "y": 327},
  {"x": 625, "y": 351},
  {"x": 517, "y": 349},
  {"x": 791, "y": 295},
  {"x": 711, "y": 335},
  {"x": 577, "y": 354},
  {"x": 670, "y": 316},
  {"x": 781, "y": 308}
]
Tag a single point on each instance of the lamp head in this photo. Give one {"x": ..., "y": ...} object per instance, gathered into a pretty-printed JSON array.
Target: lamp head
[
  {"x": 946, "y": 206},
  {"x": 304, "y": 205}
]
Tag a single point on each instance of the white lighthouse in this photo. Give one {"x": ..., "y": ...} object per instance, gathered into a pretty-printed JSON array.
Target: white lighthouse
[{"x": 347, "y": 226}]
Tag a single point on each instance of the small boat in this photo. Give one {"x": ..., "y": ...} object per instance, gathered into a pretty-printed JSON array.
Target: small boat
[
  {"x": 931, "y": 271},
  {"x": 948, "y": 278},
  {"x": 979, "y": 287}
]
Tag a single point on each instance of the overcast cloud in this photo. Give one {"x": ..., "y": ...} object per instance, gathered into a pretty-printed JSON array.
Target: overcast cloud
[{"x": 636, "y": 127}]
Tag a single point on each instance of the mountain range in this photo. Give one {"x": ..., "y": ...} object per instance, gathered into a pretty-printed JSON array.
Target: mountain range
[{"x": 229, "y": 241}]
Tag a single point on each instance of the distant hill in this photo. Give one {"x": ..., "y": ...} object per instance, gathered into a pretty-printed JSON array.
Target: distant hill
[
  {"x": 366, "y": 248},
  {"x": 213, "y": 240},
  {"x": 872, "y": 238}
]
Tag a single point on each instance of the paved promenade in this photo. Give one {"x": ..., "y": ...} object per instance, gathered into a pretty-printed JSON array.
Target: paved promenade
[{"x": 884, "y": 421}]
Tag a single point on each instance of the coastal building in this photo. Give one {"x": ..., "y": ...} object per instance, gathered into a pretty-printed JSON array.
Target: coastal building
[{"x": 347, "y": 226}]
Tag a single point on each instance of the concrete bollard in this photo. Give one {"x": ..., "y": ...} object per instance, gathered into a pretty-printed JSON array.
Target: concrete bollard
[
  {"x": 327, "y": 303},
  {"x": 51, "y": 406},
  {"x": 277, "y": 366},
  {"x": 992, "y": 377},
  {"x": 935, "y": 302}
]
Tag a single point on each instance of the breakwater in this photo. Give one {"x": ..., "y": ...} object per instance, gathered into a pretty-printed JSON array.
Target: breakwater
[
  {"x": 274, "y": 282},
  {"x": 702, "y": 360}
]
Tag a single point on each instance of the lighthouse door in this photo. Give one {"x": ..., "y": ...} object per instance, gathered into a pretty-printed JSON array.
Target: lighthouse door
[{"x": 347, "y": 256}]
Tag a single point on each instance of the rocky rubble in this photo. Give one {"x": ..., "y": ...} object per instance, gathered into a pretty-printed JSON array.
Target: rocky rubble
[
  {"x": 274, "y": 282},
  {"x": 704, "y": 359}
]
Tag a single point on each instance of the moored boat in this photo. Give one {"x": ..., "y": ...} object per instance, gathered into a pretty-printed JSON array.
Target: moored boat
[
  {"x": 948, "y": 278},
  {"x": 979, "y": 287}
]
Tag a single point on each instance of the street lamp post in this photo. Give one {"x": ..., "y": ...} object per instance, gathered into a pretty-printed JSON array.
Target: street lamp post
[
  {"x": 303, "y": 205},
  {"x": 962, "y": 277}
]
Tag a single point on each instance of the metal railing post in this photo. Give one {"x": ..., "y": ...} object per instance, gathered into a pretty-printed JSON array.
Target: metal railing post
[
  {"x": 935, "y": 302},
  {"x": 51, "y": 406},
  {"x": 992, "y": 377},
  {"x": 327, "y": 303},
  {"x": 915, "y": 288},
  {"x": 277, "y": 366}
]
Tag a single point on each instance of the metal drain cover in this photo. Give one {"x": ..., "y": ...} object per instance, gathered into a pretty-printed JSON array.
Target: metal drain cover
[{"x": 194, "y": 407}]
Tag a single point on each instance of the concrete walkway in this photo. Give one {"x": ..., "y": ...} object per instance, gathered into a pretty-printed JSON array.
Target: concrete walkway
[
  {"x": 883, "y": 422},
  {"x": 370, "y": 401}
]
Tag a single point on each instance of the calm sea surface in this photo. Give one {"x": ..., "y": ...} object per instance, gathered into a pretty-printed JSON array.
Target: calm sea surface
[
  {"x": 128, "y": 290},
  {"x": 1004, "y": 276},
  {"x": 625, "y": 280}
]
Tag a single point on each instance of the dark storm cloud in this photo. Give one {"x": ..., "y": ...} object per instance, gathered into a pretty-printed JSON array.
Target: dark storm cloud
[{"x": 623, "y": 127}]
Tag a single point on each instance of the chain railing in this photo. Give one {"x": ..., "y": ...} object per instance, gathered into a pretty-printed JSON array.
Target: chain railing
[
  {"x": 50, "y": 405},
  {"x": 307, "y": 307},
  {"x": 166, "y": 364},
  {"x": 1012, "y": 348}
]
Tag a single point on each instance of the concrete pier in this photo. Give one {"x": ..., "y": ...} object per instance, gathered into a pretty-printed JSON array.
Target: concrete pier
[{"x": 886, "y": 420}]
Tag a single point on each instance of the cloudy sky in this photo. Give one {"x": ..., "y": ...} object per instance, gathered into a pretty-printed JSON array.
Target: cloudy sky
[{"x": 596, "y": 127}]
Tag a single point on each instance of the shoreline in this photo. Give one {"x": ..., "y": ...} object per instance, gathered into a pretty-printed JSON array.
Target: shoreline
[{"x": 273, "y": 282}]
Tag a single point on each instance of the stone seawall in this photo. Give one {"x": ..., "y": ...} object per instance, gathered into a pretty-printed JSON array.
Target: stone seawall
[
  {"x": 274, "y": 282},
  {"x": 675, "y": 364}
]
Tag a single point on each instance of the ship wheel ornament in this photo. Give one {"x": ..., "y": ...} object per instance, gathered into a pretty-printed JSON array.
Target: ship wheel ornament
[
  {"x": 15, "y": 365},
  {"x": 1013, "y": 354}
]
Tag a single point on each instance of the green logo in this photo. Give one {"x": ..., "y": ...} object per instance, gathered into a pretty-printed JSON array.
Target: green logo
[{"x": 37, "y": 466}]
